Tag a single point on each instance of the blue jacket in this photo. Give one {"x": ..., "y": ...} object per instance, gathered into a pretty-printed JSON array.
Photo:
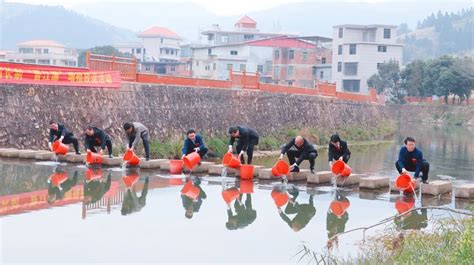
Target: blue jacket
[
  {"x": 410, "y": 159},
  {"x": 189, "y": 145}
]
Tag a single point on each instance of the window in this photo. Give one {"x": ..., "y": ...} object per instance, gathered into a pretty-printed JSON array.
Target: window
[
  {"x": 339, "y": 49},
  {"x": 352, "y": 49},
  {"x": 233, "y": 52},
  {"x": 172, "y": 51},
  {"x": 339, "y": 67},
  {"x": 197, "y": 63},
  {"x": 209, "y": 51},
  {"x": 45, "y": 51},
  {"x": 386, "y": 33},
  {"x": 161, "y": 40},
  {"x": 291, "y": 55},
  {"x": 43, "y": 62},
  {"x": 29, "y": 60},
  {"x": 291, "y": 69},
  {"x": 242, "y": 67},
  {"x": 207, "y": 67},
  {"x": 173, "y": 69},
  {"x": 268, "y": 66},
  {"x": 214, "y": 66},
  {"x": 224, "y": 39},
  {"x": 321, "y": 74},
  {"x": 315, "y": 71},
  {"x": 147, "y": 68},
  {"x": 351, "y": 85},
  {"x": 167, "y": 51},
  {"x": 350, "y": 68},
  {"x": 139, "y": 50},
  {"x": 341, "y": 32},
  {"x": 323, "y": 60},
  {"x": 277, "y": 55},
  {"x": 382, "y": 48},
  {"x": 305, "y": 56},
  {"x": 260, "y": 68},
  {"x": 26, "y": 50},
  {"x": 248, "y": 37},
  {"x": 276, "y": 72},
  {"x": 229, "y": 66}
]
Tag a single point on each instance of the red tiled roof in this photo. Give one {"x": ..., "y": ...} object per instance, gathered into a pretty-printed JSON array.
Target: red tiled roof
[
  {"x": 282, "y": 42},
  {"x": 159, "y": 31},
  {"x": 246, "y": 20}
]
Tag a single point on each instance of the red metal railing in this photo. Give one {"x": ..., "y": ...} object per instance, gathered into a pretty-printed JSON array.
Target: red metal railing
[{"x": 126, "y": 66}]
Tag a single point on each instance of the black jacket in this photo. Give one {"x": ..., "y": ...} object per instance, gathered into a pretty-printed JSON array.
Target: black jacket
[
  {"x": 302, "y": 151},
  {"x": 56, "y": 134},
  {"x": 334, "y": 153},
  {"x": 98, "y": 139},
  {"x": 246, "y": 136}
]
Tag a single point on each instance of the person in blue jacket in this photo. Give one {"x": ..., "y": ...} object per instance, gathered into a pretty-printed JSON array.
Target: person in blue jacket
[
  {"x": 194, "y": 143},
  {"x": 411, "y": 159}
]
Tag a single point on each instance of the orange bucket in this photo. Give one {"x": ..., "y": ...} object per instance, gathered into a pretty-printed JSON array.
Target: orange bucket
[
  {"x": 280, "y": 168},
  {"x": 93, "y": 158},
  {"x": 58, "y": 178},
  {"x": 60, "y": 148},
  {"x": 191, "y": 160},
  {"x": 403, "y": 182},
  {"x": 230, "y": 194},
  {"x": 130, "y": 180},
  {"x": 176, "y": 166},
  {"x": 246, "y": 186},
  {"x": 176, "y": 181},
  {"x": 280, "y": 198},
  {"x": 131, "y": 158},
  {"x": 404, "y": 204},
  {"x": 339, "y": 207},
  {"x": 341, "y": 168},
  {"x": 229, "y": 160},
  {"x": 92, "y": 174},
  {"x": 191, "y": 191},
  {"x": 246, "y": 171}
]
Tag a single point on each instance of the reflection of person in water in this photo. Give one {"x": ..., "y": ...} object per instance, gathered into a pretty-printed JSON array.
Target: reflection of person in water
[
  {"x": 193, "y": 205},
  {"x": 304, "y": 212},
  {"x": 412, "y": 220},
  {"x": 94, "y": 190},
  {"x": 337, "y": 216},
  {"x": 131, "y": 202},
  {"x": 58, "y": 184},
  {"x": 244, "y": 214}
]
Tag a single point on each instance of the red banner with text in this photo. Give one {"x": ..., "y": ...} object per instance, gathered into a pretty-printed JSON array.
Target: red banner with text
[{"x": 36, "y": 74}]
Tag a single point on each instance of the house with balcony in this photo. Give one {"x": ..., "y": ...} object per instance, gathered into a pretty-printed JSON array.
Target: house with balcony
[{"x": 45, "y": 52}]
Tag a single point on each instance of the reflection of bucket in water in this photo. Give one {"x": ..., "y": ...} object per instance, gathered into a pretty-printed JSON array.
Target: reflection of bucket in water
[
  {"x": 404, "y": 204},
  {"x": 191, "y": 160},
  {"x": 280, "y": 198},
  {"x": 93, "y": 158},
  {"x": 341, "y": 168},
  {"x": 191, "y": 191},
  {"x": 92, "y": 174},
  {"x": 339, "y": 207},
  {"x": 130, "y": 180},
  {"x": 176, "y": 181},
  {"x": 58, "y": 178},
  {"x": 405, "y": 183},
  {"x": 280, "y": 168},
  {"x": 246, "y": 186},
  {"x": 60, "y": 148},
  {"x": 246, "y": 172},
  {"x": 229, "y": 160},
  {"x": 230, "y": 194}
]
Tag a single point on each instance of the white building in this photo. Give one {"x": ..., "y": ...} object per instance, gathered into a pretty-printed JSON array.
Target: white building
[
  {"x": 44, "y": 52},
  {"x": 135, "y": 48},
  {"x": 357, "y": 52}
]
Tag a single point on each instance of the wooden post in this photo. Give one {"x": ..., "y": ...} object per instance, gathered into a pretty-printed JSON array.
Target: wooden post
[{"x": 88, "y": 59}]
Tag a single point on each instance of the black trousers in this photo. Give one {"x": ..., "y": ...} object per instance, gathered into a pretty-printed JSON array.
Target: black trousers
[
  {"x": 108, "y": 143},
  {"x": 425, "y": 168},
  {"x": 293, "y": 155},
  {"x": 146, "y": 145},
  {"x": 70, "y": 139},
  {"x": 250, "y": 148},
  {"x": 202, "y": 151}
]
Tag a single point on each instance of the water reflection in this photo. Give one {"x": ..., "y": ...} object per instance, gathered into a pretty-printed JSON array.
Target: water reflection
[
  {"x": 409, "y": 219},
  {"x": 337, "y": 215},
  {"x": 94, "y": 187},
  {"x": 59, "y": 183},
  {"x": 301, "y": 213},
  {"x": 244, "y": 212},
  {"x": 192, "y": 195},
  {"x": 131, "y": 202}
]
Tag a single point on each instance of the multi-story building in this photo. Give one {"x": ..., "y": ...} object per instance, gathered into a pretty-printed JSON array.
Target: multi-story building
[
  {"x": 357, "y": 52},
  {"x": 135, "y": 48},
  {"x": 44, "y": 52}
]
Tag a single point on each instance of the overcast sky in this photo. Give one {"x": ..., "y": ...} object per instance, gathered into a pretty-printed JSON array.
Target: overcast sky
[{"x": 221, "y": 7}]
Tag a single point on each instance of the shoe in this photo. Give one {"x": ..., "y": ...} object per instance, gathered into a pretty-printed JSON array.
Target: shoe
[
  {"x": 111, "y": 156},
  {"x": 425, "y": 182},
  {"x": 295, "y": 169},
  {"x": 312, "y": 171},
  {"x": 78, "y": 153},
  {"x": 147, "y": 159}
]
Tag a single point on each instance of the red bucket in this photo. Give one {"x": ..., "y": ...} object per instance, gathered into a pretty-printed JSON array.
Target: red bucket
[
  {"x": 404, "y": 204},
  {"x": 280, "y": 198},
  {"x": 58, "y": 178},
  {"x": 191, "y": 191},
  {"x": 176, "y": 167},
  {"x": 229, "y": 160},
  {"x": 92, "y": 174},
  {"x": 246, "y": 186},
  {"x": 130, "y": 180},
  {"x": 405, "y": 183},
  {"x": 60, "y": 148},
  {"x": 191, "y": 160},
  {"x": 93, "y": 158},
  {"x": 280, "y": 168},
  {"x": 246, "y": 171},
  {"x": 341, "y": 168},
  {"x": 230, "y": 194},
  {"x": 339, "y": 207},
  {"x": 131, "y": 158}
]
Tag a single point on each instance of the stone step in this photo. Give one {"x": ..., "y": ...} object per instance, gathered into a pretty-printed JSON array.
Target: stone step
[
  {"x": 73, "y": 158},
  {"x": 435, "y": 200},
  {"x": 264, "y": 173},
  {"x": 152, "y": 163},
  {"x": 394, "y": 188},
  {"x": 114, "y": 161},
  {"x": 320, "y": 177},
  {"x": 11, "y": 153},
  {"x": 203, "y": 167},
  {"x": 27, "y": 154},
  {"x": 374, "y": 182},
  {"x": 465, "y": 191},
  {"x": 45, "y": 155},
  {"x": 164, "y": 165},
  {"x": 437, "y": 187},
  {"x": 216, "y": 170},
  {"x": 5, "y": 150},
  {"x": 63, "y": 158},
  {"x": 353, "y": 179},
  {"x": 298, "y": 176}
]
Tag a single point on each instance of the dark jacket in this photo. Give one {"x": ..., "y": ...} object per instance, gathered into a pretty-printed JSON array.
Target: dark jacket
[
  {"x": 246, "y": 135},
  {"x": 303, "y": 151},
  {"x": 98, "y": 139},
  {"x": 96, "y": 189},
  {"x": 190, "y": 145},
  {"x": 413, "y": 221},
  {"x": 410, "y": 159},
  {"x": 334, "y": 153},
  {"x": 304, "y": 213},
  {"x": 62, "y": 131},
  {"x": 132, "y": 203}
]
